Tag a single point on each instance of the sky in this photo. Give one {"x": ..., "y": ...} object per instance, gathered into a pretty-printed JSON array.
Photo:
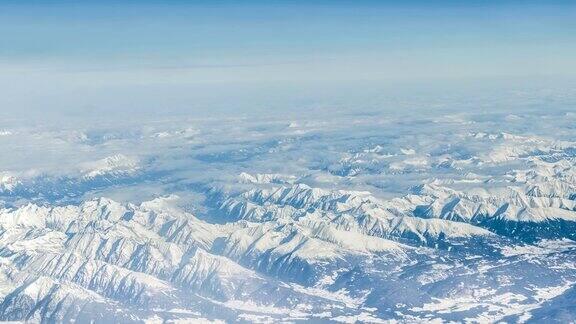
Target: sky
[{"x": 78, "y": 55}]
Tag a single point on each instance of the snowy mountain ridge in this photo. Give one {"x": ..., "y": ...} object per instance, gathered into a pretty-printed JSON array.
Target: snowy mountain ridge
[{"x": 267, "y": 221}]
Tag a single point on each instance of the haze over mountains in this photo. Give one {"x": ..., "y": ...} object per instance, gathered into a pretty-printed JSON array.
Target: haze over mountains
[{"x": 384, "y": 215}]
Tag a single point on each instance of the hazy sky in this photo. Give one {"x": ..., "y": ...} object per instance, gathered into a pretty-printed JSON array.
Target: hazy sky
[{"x": 68, "y": 52}]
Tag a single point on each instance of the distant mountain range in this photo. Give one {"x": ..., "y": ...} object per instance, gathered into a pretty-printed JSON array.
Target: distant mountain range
[{"x": 292, "y": 222}]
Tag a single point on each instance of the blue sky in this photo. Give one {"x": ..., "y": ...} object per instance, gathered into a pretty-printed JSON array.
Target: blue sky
[
  {"x": 492, "y": 38},
  {"x": 56, "y": 46}
]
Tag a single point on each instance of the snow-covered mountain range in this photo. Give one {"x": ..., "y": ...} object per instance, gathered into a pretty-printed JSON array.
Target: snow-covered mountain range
[{"x": 466, "y": 218}]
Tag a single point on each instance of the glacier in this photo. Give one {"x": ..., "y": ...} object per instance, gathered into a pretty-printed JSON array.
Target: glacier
[{"x": 381, "y": 217}]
